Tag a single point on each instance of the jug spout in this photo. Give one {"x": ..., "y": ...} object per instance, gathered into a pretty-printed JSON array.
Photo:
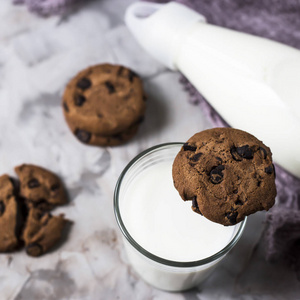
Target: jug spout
[{"x": 158, "y": 27}]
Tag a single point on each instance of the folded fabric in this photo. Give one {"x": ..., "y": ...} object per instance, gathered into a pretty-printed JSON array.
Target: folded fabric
[
  {"x": 283, "y": 230},
  {"x": 47, "y": 7}
]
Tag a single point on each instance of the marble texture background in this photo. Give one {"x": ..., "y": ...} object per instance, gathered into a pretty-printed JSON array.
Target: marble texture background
[{"x": 37, "y": 58}]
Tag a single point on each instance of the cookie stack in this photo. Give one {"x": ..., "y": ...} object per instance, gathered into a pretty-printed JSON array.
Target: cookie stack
[
  {"x": 227, "y": 173},
  {"x": 104, "y": 105},
  {"x": 25, "y": 206}
]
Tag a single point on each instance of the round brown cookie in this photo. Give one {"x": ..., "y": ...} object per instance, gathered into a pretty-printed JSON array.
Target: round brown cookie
[
  {"x": 10, "y": 216},
  {"x": 100, "y": 140},
  {"x": 40, "y": 187},
  {"x": 228, "y": 173},
  {"x": 42, "y": 231},
  {"x": 104, "y": 100}
]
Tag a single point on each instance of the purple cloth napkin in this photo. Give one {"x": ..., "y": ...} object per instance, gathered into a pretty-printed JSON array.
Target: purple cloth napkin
[
  {"x": 47, "y": 7},
  {"x": 280, "y": 21}
]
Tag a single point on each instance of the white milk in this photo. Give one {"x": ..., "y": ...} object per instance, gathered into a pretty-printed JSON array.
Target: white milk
[
  {"x": 254, "y": 83},
  {"x": 160, "y": 222}
]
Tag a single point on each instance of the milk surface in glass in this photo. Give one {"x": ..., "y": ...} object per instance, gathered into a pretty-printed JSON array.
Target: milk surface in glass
[{"x": 160, "y": 222}]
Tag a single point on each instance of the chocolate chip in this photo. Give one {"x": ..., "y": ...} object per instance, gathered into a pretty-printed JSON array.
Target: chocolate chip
[
  {"x": 79, "y": 99},
  {"x": 131, "y": 75},
  {"x": 196, "y": 157},
  {"x": 219, "y": 159},
  {"x": 2, "y": 208},
  {"x": 238, "y": 202},
  {"x": 231, "y": 216},
  {"x": 238, "y": 153},
  {"x": 82, "y": 135},
  {"x": 100, "y": 116},
  {"x": 117, "y": 136},
  {"x": 269, "y": 169},
  {"x": 34, "y": 249},
  {"x": 187, "y": 147},
  {"x": 194, "y": 202},
  {"x": 42, "y": 204},
  {"x": 234, "y": 154},
  {"x": 195, "y": 206},
  {"x": 216, "y": 175},
  {"x": 263, "y": 152},
  {"x": 84, "y": 83},
  {"x": 55, "y": 187},
  {"x": 33, "y": 183},
  {"x": 235, "y": 191},
  {"x": 66, "y": 107},
  {"x": 110, "y": 87},
  {"x": 245, "y": 152}
]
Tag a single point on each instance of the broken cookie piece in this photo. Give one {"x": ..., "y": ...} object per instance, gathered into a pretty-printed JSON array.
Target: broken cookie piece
[
  {"x": 42, "y": 231},
  {"x": 40, "y": 187}
]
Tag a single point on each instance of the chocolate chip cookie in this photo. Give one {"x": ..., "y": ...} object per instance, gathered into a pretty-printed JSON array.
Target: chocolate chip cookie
[
  {"x": 104, "y": 104},
  {"x": 42, "y": 231},
  {"x": 227, "y": 173},
  {"x": 40, "y": 187},
  {"x": 10, "y": 216}
]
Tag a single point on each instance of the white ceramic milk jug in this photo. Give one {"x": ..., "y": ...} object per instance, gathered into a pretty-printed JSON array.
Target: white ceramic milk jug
[{"x": 252, "y": 82}]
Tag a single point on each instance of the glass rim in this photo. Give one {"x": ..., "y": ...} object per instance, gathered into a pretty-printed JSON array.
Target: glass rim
[{"x": 143, "y": 251}]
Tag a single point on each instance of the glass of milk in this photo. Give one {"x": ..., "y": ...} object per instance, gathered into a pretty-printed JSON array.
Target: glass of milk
[{"x": 169, "y": 246}]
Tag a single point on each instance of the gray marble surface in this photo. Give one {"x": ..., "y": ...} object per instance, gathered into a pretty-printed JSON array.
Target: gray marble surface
[{"x": 37, "y": 58}]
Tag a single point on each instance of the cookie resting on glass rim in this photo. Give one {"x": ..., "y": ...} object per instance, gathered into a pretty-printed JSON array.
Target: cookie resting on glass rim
[{"x": 227, "y": 173}]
